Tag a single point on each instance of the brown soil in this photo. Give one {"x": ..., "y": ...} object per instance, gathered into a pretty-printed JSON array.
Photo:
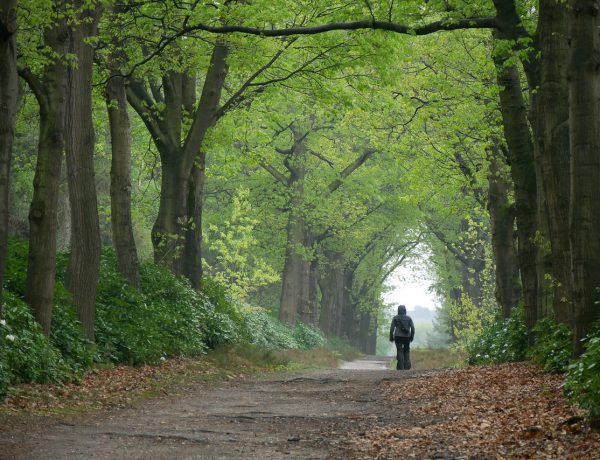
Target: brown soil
[
  {"x": 361, "y": 411},
  {"x": 303, "y": 415}
]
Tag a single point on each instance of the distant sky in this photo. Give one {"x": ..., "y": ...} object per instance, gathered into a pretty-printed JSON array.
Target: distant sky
[{"x": 409, "y": 286}]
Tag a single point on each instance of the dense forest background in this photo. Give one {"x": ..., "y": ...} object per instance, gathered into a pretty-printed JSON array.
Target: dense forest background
[{"x": 178, "y": 174}]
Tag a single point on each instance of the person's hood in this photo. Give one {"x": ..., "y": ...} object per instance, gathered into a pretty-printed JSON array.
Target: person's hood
[{"x": 401, "y": 310}]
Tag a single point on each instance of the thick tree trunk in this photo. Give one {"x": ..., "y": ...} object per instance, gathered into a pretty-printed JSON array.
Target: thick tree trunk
[
  {"x": 51, "y": 93},
  {"x": 168, "y": 236},
  {"x": 193, "y": 243},
  {"x": 502, "y": 218},
  {"x": 332, "y": 288},
  {"x": 520, "y": 147},
  {"x": 584, "y": 119},
  {"x": 120, "y": 179},
  {"x": 84, "y": 261},
  {"x": 294, "y": 278},
  {"x": 553, "y": 139},
  {"x": 177, "y": 159},
  {"x": 294, "y": 268},
  {"x": 9, "y": 91}
]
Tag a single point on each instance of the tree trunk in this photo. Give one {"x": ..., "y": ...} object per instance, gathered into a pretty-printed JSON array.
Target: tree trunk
[
  {"x": 51, "y": 92},
  {"x": 520, "y": 147},
  {"x": 584, "y": 119},
  {"x": 294, "y": 278},
  {"x": 313, "y": 293},
  {"x": 502, "y": 218},
  {"x": 332, "y": 293},
  {"x": 292, "y": 294},
  {"x": 177, "y": 158},
  {"x": 120, "y": 178},
  {"x": 84, "y": 261},
  {"x": 553, "y": 138},
  {"x": 168, "y": 231},
  {"x": 9, "y": 92},
  {"x": 193, "y": 243}
]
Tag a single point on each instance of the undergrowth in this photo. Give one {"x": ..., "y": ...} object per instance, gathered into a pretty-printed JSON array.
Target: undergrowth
[{"x": 165, "y": 318}]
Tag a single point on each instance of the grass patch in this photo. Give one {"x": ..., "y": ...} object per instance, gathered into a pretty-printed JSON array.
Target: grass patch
[{"x": 434, "y": 358}]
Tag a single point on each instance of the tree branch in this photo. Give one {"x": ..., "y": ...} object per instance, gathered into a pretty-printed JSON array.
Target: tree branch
[
  {"x": 36, "y": 86},
  {"x": 140, "y": 100},
  {"x": 350, "y": 169},
  {"x": 436, "y": 26},
  {"x": 275, "y": 173},
  {"x": 237, "y": 96}
]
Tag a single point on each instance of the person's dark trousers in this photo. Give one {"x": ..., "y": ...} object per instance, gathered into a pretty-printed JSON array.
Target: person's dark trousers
[{"x": 402, "y": 352}]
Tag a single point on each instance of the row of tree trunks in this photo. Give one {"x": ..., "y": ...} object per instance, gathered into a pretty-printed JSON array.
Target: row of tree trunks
[
  {"x": 9, "y": 93},
  {"x": 84, "y": 260}
]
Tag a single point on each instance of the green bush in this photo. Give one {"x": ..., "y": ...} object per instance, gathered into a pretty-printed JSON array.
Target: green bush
[
  {"x": 265, "y": 331},
  {"x": 67, "y": 334},
  {"x": 165, "y": 318},
  {"x": 503, "y": 340},
  {"x": 553, "y": 343},
  {"x": 308, "y": 337},
  {"x": 27, "y": 354},
  {"x": 15, "y": 276},
  {"x": 583, "y": 377}
]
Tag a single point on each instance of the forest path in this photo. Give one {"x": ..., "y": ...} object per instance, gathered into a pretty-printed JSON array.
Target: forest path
[
  {"x": 294, "y": 415},
  {"x": 361, "y": 411}
]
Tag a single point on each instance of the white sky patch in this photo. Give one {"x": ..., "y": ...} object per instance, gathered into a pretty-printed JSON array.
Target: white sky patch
[{"x": 410, "y": 285}]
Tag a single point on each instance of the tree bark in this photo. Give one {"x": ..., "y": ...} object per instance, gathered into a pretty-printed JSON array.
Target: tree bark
[
  {"x": 520, "y": 147},
  {"x": 584, "y": 119},
  {"x": 313, "y": 293},
  {"x": 9, "y": 92},
  {"x": 50, "y": 92},
  {"x": 84, "y": 260},
  {"x": 502, "y": 218},
  {"x": 331, "y": 283},
  {"x": 292, "y": 294},
  {"x": 120, "y": 177},
  {"x": 193, "y": 243},
  {"x": 553, "y": 138},
  {"x": 178, "y": 155}
]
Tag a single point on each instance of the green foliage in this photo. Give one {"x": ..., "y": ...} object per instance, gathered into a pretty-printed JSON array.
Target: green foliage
[
  {"x": 220, "y": 298},
  {"x": 16, "y": 267},
  {"x": 233, "y": 243},
  {"x": 165, "y": 318},
  {"x": 26, "y": 354},
  {"x": 553, "y": 344},
  {"x": 469, "y": 323},
  {"x": 265, "y": 331},
  {"x": 308, "y": 337},
  {"x": 500, "y": 341},
  {"x": 583, "y": 377}
]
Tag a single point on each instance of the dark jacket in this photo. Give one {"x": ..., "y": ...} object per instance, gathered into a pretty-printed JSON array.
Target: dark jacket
[{"x": 402, "y": 319}]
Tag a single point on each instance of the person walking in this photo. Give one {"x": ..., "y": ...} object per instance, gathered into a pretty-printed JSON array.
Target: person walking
[{"x": 402, "y": 332}]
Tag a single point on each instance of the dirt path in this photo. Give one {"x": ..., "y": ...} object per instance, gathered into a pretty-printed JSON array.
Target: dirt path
[{"x": 304, "y": 415}]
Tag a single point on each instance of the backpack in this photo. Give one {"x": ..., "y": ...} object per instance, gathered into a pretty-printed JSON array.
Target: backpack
[{"x": 402, "y": 327}]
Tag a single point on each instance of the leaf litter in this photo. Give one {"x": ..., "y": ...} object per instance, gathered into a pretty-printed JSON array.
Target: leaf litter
[{"x": 484, "y": 412}]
